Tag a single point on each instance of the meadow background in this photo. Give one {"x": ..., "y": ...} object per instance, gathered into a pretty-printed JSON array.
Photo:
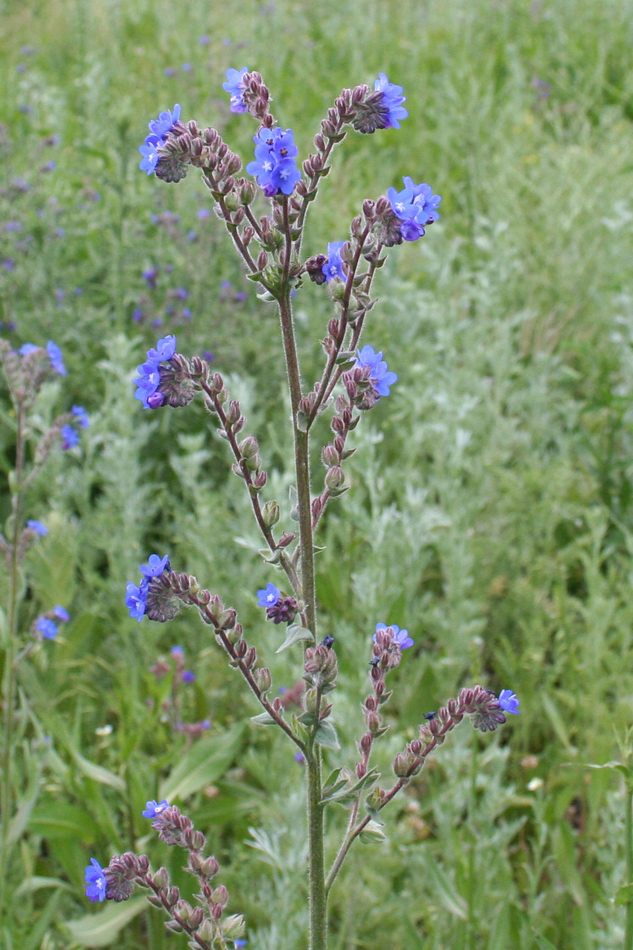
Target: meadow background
[{"x": 492, "y": 505}]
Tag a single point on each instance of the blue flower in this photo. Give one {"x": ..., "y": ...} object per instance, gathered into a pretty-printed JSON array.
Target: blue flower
[
  {"x": 82, "y": 416},
  {"x": 509, "y": 702},
  {"x": 96, "y": 882},
  {"x": 147, "y": 381},
  {"x": 235, "y": 88},
  {"x": 69, "y": 437},
  {"x": 380, "y": 378},
  {"x": 392, "y": 100},
  {"x": 37, "y": 526},
  {"x": 47, "y": 627},
  {"x": 149, "y": 151},
  {"x": 55, "y": 356},
  {"x": 61, "y": 613},
  {"x": 415, "y": 206},
  {"x": 188, "y": 676},
  {"x": 177, "y": 651},
  {"x": 268, "y": 596},
  {"x": 27, "y": 348},
  {"x": 153, "y": 808},
  {"x": 136, "y": 599},
  {"x": 334, "y": 266},
  {"x": 156, "y": 566},
  {"x": 274, "y": 167},
  {"x": 165, "y": 121},
  {"x": 401, "y": 637}
]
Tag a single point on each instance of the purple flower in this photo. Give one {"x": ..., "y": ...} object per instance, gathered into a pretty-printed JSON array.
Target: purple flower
[
  {"x": 82, "y": 416},
  {"x": 69, "y": 437},
  {"x": 415, "y": 206},
  {"x": 37, "y": 526},
  {"x": 169, "y": 71},
  {"x": 509, "y": 702},
  {"x": 187, "y": 68},
  {"x": 96, "y": 882},
  {"x": 61, "y": 613},
  {"x": 55, "y": 356},
  {"x": 47, "y": 627},
  {"x": 192, "y": 236},
  {"x": 204, "y": 40},
  {"x": 234, "y": 85},
  {"x": 334, "y": 266},
  {"x": 164, "y": 350},
  {"x": 8, "y": 263},
  {"x": 156, "y": 566},
  {"x": 380, "y": 378},
  {"x": 392, "y": 100},
  {"x": 268, "y": 596},
  {"x": 136, "y": 599},
  {"x": 150, "y": 276},
  {"x": 187, "y": 676},
  {"x": 299, "y": 757},
  {"x": 203, "y": 213},
  {"x": 274, "y": 165},
  {"x": 153, "y": 808},
  {"x": 401, "y": 637}
]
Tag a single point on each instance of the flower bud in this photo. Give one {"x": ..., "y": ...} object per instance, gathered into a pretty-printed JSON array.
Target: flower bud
[
  {"x": 270, "y": 513},
  {"x": 235, "y": 635},
  {"x": 221, "y": 895},
  {"x": 365, "y": 742},
  {"x": 183, "y": 909},
  {"x": 216, "y": 911},
  {"x": 335, "y": 478},
  {"x": 330, "y": 456},
  {"x": 249, "y": 447},
  {"x": 374, "y": 722},
  {"x": 263, "y": 679},
  {"x": 401, "y": 765}
]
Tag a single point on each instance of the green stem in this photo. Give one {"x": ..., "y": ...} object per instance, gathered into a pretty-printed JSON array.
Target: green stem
[
  {"x": 317, "y": 891},
  {"x": 10, "y": 663},
  {"x": 628, "y": 833}
]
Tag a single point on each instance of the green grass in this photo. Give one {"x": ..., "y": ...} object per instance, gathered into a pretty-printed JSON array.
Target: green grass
[{"x": 492, "y": 508}]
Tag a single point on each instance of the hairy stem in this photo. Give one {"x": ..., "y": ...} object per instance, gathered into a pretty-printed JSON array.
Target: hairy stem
[
  {"x": 317, "y": 889},
  {"x": 10, "y": 660},
  {"x": 628, "y": 833}
]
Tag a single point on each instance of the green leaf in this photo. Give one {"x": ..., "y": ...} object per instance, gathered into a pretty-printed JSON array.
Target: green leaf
[
  {"x": 558, "y": 722},
  {"x": 34, "y": 939},
  {"x": 35, "y": 883},
  {"x": 294, "y": 634},
  {"x": 62, "y": 820},
  {"x": 449, "y": 897},
  {"x": 97, "y": 773},
  {"x": 544, "y": 943},
  {"x": 264, "y": 719},
  {"x": 614, "y": 766},
  {"x": 326, "y": 736},
  {"x": 624, "y": 894},
  {"x": 341, "y": 792},
  {"x": 205, "y": 762},
  {"x": 102, "y": 929}
]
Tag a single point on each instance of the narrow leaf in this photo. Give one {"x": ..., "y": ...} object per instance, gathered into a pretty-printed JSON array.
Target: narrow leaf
[
  {"x": 102, "y": 929},
  {"x": 97, "y": 772},
  {"x": 294, "y": 634},
  {"x": 205, "y": 762},
  {"x": 264, "y": 719},
  {"x": 34, "y": 939},
  {"x": 326, "y": 736},
  {"x": 448, "y": 895}
]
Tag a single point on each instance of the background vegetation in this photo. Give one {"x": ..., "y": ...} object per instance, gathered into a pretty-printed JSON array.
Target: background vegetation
[{"x": 492, "y": 506}]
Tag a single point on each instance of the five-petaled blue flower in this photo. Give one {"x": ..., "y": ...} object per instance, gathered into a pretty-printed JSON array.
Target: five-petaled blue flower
[
  {"x": 334, "y": 266},
  {"x": 96, "y": 882},
  {"x": 415, "y": 206},
  {"x": 268, "y": 596},
  {"x": 47, "y": 627},
  {"x": 81, "y": 415},
  {"x": 153, "y": 808},
  {"x": 158, "y": 129},
  {"x": 234, "y": 85},
  {"x": 69, "y": 437},
  {"x": 509, "y": 702},
  {"x": 37, "y": 526},
  {"x": 401, "y": 637},
  {"x": 136, "y": 599},
  {"x": 392, "y": 100},
  {"x": 380, "y": 377},
  {"x": 274, "y": 166},
  {"x": 55, "y": 356},
  {"x": 156, "y": 566}
]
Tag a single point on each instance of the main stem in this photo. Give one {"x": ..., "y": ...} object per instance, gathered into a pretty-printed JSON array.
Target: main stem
[
  {"x": 316, "y": 859},
  {"x": 628, "y": 832},
  {"x": 10, "y": 664}
]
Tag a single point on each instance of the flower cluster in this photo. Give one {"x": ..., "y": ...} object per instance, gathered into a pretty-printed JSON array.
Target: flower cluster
[
  {"x": 391, "y": 101},
  {"x": 234, "y": 85},
  {"x": 136, "y": 596},
  {"x": 369, "y": 378},
  {"x": 158, "y": 129},
  {"x": 279, "y": 607},
  {"x": 46, "y": 626},
  {"x": 149, "y": 373},
  {"x": 401, "y": 637},
  {"x": 415, "y": 207},
  {"x": 274, "y": 166}
]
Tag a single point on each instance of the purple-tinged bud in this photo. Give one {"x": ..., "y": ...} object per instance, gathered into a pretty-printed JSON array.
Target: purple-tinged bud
[
  {"x": 415, "y": 746},
  {"x": 262, "y": 260},
  {"x": 221, "y": 895},
  {"x": 329, "y": 456},
  {"x": 250, "y": 657},
  {"x": 371, "y": 703},
  {"x": 161, "y": 878},
  {"x": 183, "y": 910},
  {"x": 339, "y": 444},
  {"x": 366, "y": 742},
  {"x": 286, "y": 539},
  {"x": 196, "y": 917},
  {"x": 335, "y": 480},
  {"x": 374, "y": 722},
  {"x": 401, "y": 765},
  {"x": 260, "y": 479},
  {"x": 263, "y": 679},
  {"x": 249, "y": 447},
  {"x": 173, "y": 925},
  {"x": 241, "y": 649},
  {"x": 233, "y": 412},
  {"x": 216, "y": 383},
  {"x": 247, "y": 235},
  {"x": 435, "y": 727},
  {"x": 235, "y": 635},
  {"x": 210, "y": 867},
  {"x": 361, "y": 770},
  {"x": 216, "y": 911},
  {"x": 380, "y": 686},
  {"x": 232, "y": 202}
]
